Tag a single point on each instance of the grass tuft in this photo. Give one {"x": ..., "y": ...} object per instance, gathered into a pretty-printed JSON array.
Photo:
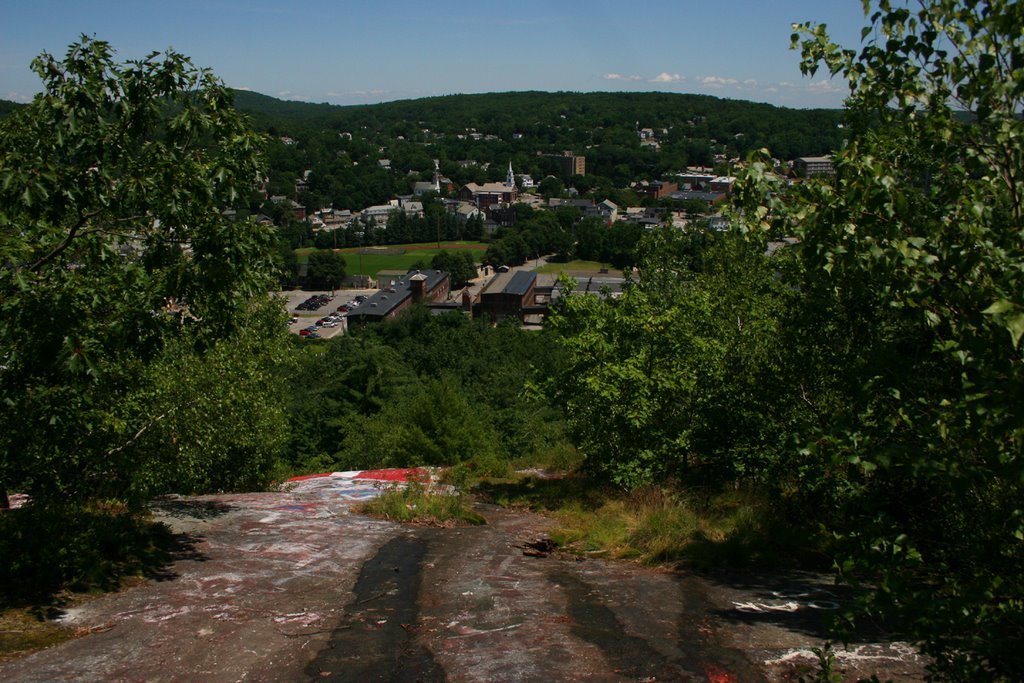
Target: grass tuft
[{"x": 424, "y": 504}]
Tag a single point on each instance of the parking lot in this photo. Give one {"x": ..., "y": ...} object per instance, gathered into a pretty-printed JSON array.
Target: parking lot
[{"x": 305, "y": 319}]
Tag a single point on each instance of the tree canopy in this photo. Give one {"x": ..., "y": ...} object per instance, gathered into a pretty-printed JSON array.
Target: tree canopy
[
  {"x": 912, "y": 264},
  {"x": 131, "y": 310},
  {"x": 867, "y": 377},
  {"x": 326, "y": 268}
]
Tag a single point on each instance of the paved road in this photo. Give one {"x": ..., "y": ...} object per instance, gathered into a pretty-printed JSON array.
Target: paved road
[{"x": 292, "y": 586}]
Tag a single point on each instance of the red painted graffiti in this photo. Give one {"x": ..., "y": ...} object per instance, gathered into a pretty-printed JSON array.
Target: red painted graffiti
[
  {"x": 410, "y": 474},
  {"x": 716, "y": 675}
]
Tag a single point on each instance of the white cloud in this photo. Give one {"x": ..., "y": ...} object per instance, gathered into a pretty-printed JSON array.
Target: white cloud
[
  {"x": 620, "y": 77},
  {"x": 825, "y": 87},
  {"x": 665, "y": 77},
  {"x": 17, "y": 97},
  {"x": 289, "y": 95},
  {"x": 807, "y": 93},
  {"x": 717, "y": 81}
]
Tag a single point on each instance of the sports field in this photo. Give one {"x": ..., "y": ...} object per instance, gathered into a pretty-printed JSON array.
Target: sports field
[{"x": 372, "y": 260}]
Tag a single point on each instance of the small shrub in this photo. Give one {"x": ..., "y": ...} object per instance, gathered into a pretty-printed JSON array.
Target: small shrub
[
  {"x": 560, "y": 456},
  {"x": 487, "y": 466}
]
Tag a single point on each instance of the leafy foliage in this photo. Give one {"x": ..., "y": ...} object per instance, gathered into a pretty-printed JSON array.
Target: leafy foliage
[
  {"x": 656, "y": 381},
  {"x": 460, "y": 265},
  {"x": 421, "y": 390},
  {"x": 127, "y": 314},
  {"x": 870, "y": 375},
  {"x": 326, "y": 269},
  {"x": 911, "y": 280}
]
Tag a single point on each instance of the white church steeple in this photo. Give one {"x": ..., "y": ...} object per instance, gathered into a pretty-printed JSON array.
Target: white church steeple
[{"x": 510, "y": 179}]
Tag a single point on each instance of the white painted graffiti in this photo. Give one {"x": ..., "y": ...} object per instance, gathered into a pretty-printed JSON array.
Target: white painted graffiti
[
  {"x": 794, "y": 601},
  {"x": 895, "y": 652}
]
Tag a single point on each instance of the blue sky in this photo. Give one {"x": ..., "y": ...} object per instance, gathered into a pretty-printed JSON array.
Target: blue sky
[{"x": 346, "y": 52}]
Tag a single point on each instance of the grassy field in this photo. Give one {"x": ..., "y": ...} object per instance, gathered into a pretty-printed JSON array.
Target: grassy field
[
  {"x": 575, "y": 267},
  {"x": 371, "y": 264}
]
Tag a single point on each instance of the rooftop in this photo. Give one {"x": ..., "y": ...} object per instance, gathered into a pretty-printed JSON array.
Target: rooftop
[
  {"x": 517, "y": 282},
  {"x": 383, "y": 302}
]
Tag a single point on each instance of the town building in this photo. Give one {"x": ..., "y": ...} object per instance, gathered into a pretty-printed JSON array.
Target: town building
[
  {"x": 525, "y": 181},
  {"x": 709, "y": 198},
  {"x": 569, "y": 164},
  {"x": 656, "y": 189},
  {"x": 507, "y": 295},
  {"x": 722, "y": 184},
  {"x": 421, "y": 286},
  {"x": 488, "y": 194},
  {"x": 423, "y": 187},
  {"x": 298, "y": 210},
  {"x": 379, "y": 213},
  {"x": 806, "y": 167},
  {"x": 694, "y": 180},
  {"x": 602, "y": 285}
]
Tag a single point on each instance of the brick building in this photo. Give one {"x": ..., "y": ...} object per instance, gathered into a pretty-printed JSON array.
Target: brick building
[
  {"x": 507, "y": 295},
  {"x": 426, "y": 286}
]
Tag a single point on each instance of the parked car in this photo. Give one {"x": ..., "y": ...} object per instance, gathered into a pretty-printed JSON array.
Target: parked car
[{"x": 304, "y": 333}]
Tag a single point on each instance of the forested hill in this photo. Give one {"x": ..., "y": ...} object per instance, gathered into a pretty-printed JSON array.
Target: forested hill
[
  {"x": 575, "y": 120},
  {"x": 342, "y": 146},
  {"x": 6, "y": 107}
]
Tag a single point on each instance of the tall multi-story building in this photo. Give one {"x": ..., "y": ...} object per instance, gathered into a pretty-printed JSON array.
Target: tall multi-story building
[{"x": 569, "y": 164}]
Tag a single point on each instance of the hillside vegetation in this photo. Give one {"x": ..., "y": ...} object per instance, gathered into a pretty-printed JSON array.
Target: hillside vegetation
[
  {"x": 857, "y": 393},
  {"x": 517, "y": 128}
]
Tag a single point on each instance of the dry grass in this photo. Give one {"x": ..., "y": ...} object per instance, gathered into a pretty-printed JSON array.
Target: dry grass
[{"x": 658, "y": 524}]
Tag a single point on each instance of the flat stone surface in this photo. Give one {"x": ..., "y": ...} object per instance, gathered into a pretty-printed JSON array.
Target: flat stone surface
[{"x": 292, "y": 586}]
